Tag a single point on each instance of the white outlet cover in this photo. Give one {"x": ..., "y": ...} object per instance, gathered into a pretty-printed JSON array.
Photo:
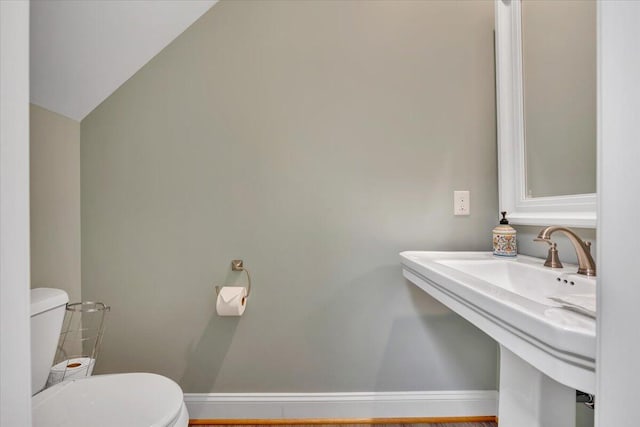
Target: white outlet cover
[{"x": 461, "y": 202}]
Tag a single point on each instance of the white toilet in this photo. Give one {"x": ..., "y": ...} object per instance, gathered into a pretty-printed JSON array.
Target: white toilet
[{"x": 136, "y": 400}]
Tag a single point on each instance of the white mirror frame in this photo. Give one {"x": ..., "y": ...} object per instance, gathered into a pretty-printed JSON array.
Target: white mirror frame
[{"x": 572, "y": 210}]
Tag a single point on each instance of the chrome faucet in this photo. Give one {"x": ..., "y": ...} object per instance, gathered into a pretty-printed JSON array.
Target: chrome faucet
[{"x": 586, "y": 264}]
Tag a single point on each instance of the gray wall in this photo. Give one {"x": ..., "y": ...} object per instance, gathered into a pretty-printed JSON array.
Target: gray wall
[
  {"x": 55, "y": 201},
  {"x": 315, "y": 140}
]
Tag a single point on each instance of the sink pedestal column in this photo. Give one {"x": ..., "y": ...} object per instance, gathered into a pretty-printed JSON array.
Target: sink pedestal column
[{"x": 529, "y": 398}]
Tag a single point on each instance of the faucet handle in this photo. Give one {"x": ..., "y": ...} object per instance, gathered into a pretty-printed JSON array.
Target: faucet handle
[
  {"x": 588, "y": 245},
  {"x": 553, "y": 260},
  {"x": 540, "y": 239}
]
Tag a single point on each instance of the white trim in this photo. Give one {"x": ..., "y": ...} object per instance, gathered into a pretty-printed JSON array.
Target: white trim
[
  {"x": 411, "y": 404},
  {"x": 618, "y": 344},
  {"x": 572, "y": 210},
  {"x": 15, "y": 361}
]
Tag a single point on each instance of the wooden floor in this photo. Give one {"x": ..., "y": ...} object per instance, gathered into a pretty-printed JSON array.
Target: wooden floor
[{"x": 485, "y": 424}]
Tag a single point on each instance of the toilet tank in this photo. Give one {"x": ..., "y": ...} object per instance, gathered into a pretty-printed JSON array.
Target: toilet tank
[{"x": 47, "y": 313}]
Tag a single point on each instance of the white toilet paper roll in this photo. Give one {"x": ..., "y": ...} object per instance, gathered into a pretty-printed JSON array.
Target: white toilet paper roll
[
  {"x": 232, "y": 301},
  {"x": 71, "y": 369}
]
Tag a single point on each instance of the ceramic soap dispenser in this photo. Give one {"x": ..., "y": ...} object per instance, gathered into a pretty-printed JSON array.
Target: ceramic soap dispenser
[{"x": 504, "y": 239}]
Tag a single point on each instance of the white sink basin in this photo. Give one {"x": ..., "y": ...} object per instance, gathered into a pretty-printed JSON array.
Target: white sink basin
[
  {"x": 525, "y": 277},
  {"x": 509, "y": 300}
]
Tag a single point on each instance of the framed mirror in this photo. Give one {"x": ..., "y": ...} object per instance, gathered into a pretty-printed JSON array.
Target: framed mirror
[{"x": 546, "y": 108}]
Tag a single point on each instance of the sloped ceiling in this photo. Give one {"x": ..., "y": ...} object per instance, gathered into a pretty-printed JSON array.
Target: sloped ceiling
[{"x": 82, "y": 51}]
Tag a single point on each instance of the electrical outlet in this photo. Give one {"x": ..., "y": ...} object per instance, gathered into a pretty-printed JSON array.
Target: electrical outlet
[{"x": 461, "y": 203}]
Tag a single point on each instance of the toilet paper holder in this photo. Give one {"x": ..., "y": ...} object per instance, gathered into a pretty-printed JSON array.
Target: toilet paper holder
[{"x": 238, "y": 265}]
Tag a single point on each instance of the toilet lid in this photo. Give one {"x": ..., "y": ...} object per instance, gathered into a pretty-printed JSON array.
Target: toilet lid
[{"x": 138, "y": 400}]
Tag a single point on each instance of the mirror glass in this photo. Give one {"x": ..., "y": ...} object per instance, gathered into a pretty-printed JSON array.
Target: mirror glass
[{"x": 559, "y": 84}]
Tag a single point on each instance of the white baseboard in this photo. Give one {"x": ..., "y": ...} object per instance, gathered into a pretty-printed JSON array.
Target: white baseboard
[{"x": 423, "y": 404}]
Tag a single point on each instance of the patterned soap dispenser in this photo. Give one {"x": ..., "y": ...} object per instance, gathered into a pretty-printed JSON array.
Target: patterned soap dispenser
[{"x": 504, "y": 239}]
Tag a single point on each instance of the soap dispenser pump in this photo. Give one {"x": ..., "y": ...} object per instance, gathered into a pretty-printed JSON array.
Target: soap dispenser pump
[{"x": 504, "y": 239}]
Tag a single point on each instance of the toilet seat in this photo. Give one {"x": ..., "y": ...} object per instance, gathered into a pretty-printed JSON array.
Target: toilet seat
[{"x": 136, "y": 400}]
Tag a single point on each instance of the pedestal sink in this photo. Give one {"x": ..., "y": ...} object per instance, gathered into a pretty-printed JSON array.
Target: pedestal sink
[{"x": 547, "y": 351}]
